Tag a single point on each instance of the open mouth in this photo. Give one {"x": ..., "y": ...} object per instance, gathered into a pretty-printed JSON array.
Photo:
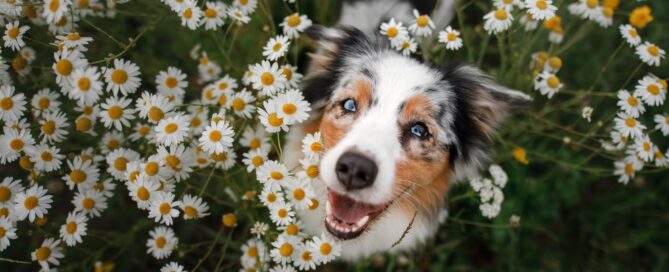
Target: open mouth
[{"x": 346, "y": 218}]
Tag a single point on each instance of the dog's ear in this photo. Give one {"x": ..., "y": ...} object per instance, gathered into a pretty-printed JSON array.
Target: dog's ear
[
  {"x": 336, "y": 48},
  {"x": 480, "y": 106}
]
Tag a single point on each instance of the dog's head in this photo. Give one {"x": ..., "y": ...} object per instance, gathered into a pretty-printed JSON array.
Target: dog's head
[{"x": 396, "y": 131}]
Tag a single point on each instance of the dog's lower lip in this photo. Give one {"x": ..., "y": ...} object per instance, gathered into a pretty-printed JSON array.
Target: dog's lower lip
[{"x": 344, "y": 228}]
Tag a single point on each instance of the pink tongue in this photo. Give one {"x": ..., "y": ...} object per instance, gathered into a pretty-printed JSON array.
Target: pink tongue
[{"x": 349, "y": 210}]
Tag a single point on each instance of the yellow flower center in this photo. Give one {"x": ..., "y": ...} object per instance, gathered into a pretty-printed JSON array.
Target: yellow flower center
[
  {"x": 555, "y": 62},
  {"x": 646, "y": 146},
  {"x": 119, "y": 76},
  {"x": 13, "y": 33},
  {"x": 77, "y": 176},
  {"x": 276, "y": 175},
  {"x": 165, "y": 208},
  {"x": 252, "y": 252},
  {"x": 156, "y": 114},
  {"x": 282, "y": 213},
  {"x": 151, "y": 168},
  {"x": 392, "y": 32},
  {"x": 286, "y": 250},
  {"x": 133, "y": 176},
  {"x": 16, "y": 144},
  {"x": 5, "y": 193},
  {"x": 43, "y": 103},
  {"x": 143, "y": 194},
  {"x": 277, "y": 47},
  {"x": 267, "y": 78},
  {"x": 2, "y": 232},
  {"x": 25, "y": 163},
  {"x": 46, "y": 156},
  {"x": 120, "y": 163},
  {"x": 275, "y": 120},
  {"x": 4, "y": 212},
  {"x": 312, "y": 171},
  {"x": 422, "y": 21},
  {"x": 289, "y": 108},
  {"x": 172, "y": 161},
  {"x": 255, "y": 143},
  {"x": 287, "y": 72},
  {"x": 607, "y": 12},
  {"x": 189, "y": 211},
  {"x": 7, "y": 103},
  {"x": 71, "y": 227},
  {"x": 542, "y": 5},
  {"x": 653, "y": 89},
  {"x": 229, "y": 220},
  {"x": 501, "y": 14},
  {"x": 257, "y": 161},
  {"x": 314, "y": 204},
  {"x": 19, "y": 63},
  {"x": 592, "y": 3},
  {"x": 630, "y": 122},
  {"x": 520, "y": 155},
  {"x": 88, "y": 203},
  {"x": 73, "y": 37},
  {"x": 115, "y": 112},
  {"x": 641, "y": 16},
  {"x": 271, "y": 197},
  {"x": 629, "y": 169},
  {"x": 42, "y": 253},
  {"x": 553, "y": 82},
  {"x": 633, "y": 33},
  {"x": 238, "y": 104},
  {"x": 64, "y": 67},
  {"x": 298, "y": 194},
  {"x": 49, "y": 127},
  {"x": 451, "y": 37},
  {"x": 632, "y": 101},
  {"x": 223, "y": 156},
  {"x": 160, "y": 242},
  {"x": 171, "y": 82},
  {"x": 188, "y": 13},
  {"x": 325, "y": 249},
  {"x": 215, "y": 136},
  {"x": 210, "y": 13},
  {"x": 30, "y": 202},
  {"x": 171, "y": 128},
  {"x": 306, "y": 256},
  {"x": 88, "y": 110},
  {"x": 294, "y": 20},
  {"x": 196, "y": 122},
  {"x": 292, "y": 229}
]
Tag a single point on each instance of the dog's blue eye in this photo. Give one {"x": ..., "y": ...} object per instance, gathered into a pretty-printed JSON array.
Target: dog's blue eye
[
  {"x": 349, "y": 105},
  {"x": 419, "y": 129}
]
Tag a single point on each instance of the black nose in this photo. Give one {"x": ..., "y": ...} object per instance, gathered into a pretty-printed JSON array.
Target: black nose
[{"x": 355, "y": 171}]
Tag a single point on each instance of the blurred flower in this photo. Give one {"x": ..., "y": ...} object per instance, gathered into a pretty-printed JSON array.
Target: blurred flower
[{"x": 640, "y": 17}]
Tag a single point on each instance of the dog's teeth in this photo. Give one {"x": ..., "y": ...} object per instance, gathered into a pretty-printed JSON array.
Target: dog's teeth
[
  {"x": 362, "y": 221},
  {"x": 328, "y": 208}
]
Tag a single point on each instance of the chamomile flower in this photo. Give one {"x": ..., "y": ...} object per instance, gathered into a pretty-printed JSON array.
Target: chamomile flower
[
  {"x": 661, "y": 159},
  {"x": 644, "y": 148},
  {"x": 628, "y": 126},
  {"x": 661, "y": 121},
  {"x": 49, "y": 252},
  {"x": 529, "y": 22},
  {"x": 90, "y": 202},
  {"x": 508, "y": 4},
  {"x": 254, "y": 138},
  {"x": 122, "y": 78},
  {"x": 254, "y": 159},
  {"x": 407, "y": 45},
  {"x": 586, "y": 113},
  {"x": 172, "y": 267},
  {"x": 44, "y": 101},
  {"x": 9, "y": 188},
  {"x": 106, "y": 187},
  {"x": 312, "y": 145},
  {"x": 547, "y": 84},
  {"x": 630, "y": 34},
  {"x": 310, "y": 168},
  {"x": 254, "y": 251},
  {"x": 73, "y": 41},
  {"x": 285, "y": 248},
  {"x": 224, "y": 160},
  {"x": 111, "y": 141},
  {"x": 66, "y": 62},
  {"x": 214, "y": 15},
  {"x": 172, "y": 130},
  {"x": 292, "y": 107},
  {"x": 324, "y": 249},
  {"x": 83, "y": 173},
  {"x": 300, "y": 194},
  {"x": 395, "y": 32},
  {"x": 190, "y": 14},
  {"x": 153, "y": 107},
  {"x": 650, "y": 91},
  {"x": 12, "y": 105},
  {"x": 276, "y": 47},
  {"x": 451, "y": 38},
  {"x": 304, "y": 259},
  {"x": 267, "y": 78},
  {"x": 116, "y": 112},
  {"x": 117, "y": 161},
  {"x": 163, "y": 208},
  {"x": 625, "y": 169},
  {"x": 246, "y": 6},
  {"x": 74, "y": 228},
  {"x": 193, "y": 207},
  {"x": 7, "y": 232},
  {"x": 178, "y": 159},
  {"x": 293, "y": 78},
  {"x": 239, "y": 16},
  {"x": 13, "y": 143},
  {"x": 33, "y": 203},
  {"x": 242, "y": 104},
  {"x": 55, "y": 10},
  {"x": 422, "y": 26},
  {"x": 650, "y": 53},
  {"x": 143, "y": 191},
  {"x": 259, "y": 229},
  {"x": 52, "y": 127},
  {"x": 497, "y": 21},
  {"x": 281, "y": 213},
  {"x": 12, "y": 8},
  {"x": 162, "y": 242},
  {"x": 587, "y": 9},
  {"x": 273, "y": 172},
  {"x": 630, "y": 104},
  {"x": 541, "y": 9},
  {"x": 172, "y": 81},
  {"x": 154, "y": 168},
  {"x": 271, "y": 195},
  {"x": 14, "y": 35},
  {"x": 270, "y": 119},
  {"x": 45, "y": 158},
  {"x": 605, "y": 18},
  {"x": 217, "y": 137},
  {"x": 294, "y": 24}
]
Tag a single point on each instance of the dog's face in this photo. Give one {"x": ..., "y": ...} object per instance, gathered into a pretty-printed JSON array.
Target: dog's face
[{"x": 395, "y": 130}]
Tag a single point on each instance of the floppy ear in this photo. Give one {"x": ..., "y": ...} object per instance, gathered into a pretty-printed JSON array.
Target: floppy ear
[
  {"x": 335, "y": 48},
  {"x": 480, "y": 106}
]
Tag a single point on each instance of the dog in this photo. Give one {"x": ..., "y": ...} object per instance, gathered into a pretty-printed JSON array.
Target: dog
[{"x": 396, "y": 132}]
